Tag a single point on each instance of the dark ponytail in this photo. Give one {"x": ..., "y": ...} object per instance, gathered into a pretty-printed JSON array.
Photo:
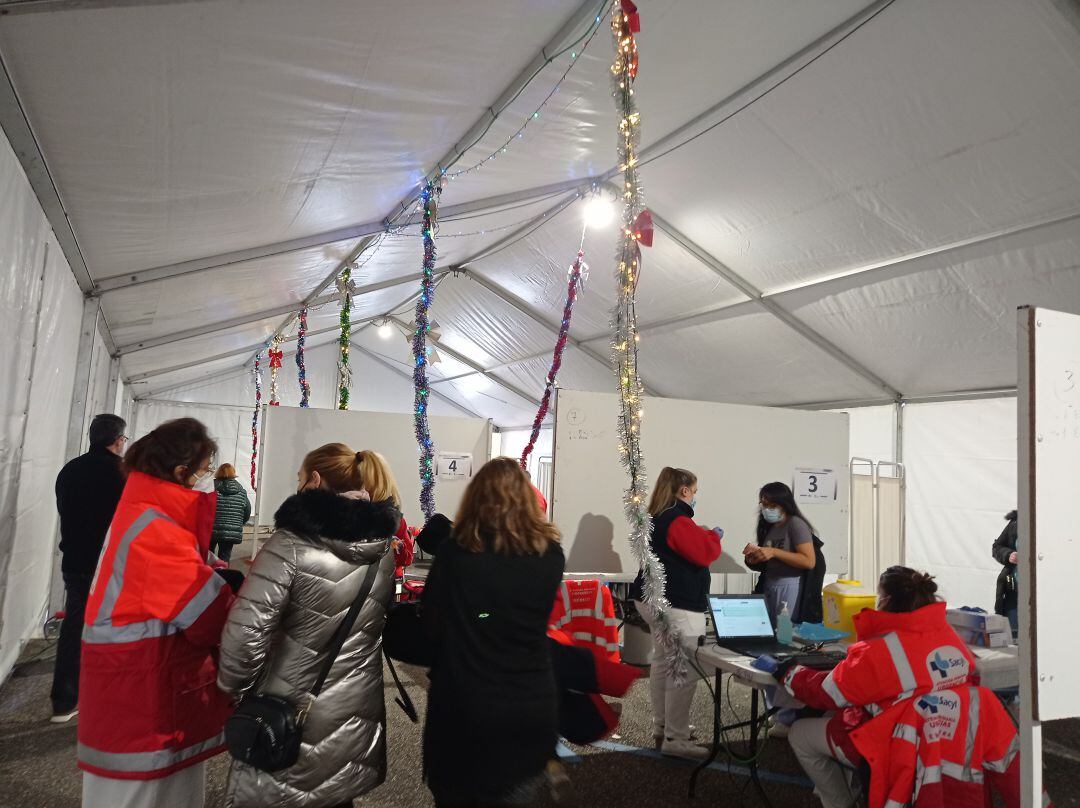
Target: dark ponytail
[{"x": 905, "y": 590}]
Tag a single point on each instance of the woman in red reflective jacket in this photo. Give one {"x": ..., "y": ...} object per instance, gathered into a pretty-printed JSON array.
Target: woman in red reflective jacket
[
  {"x": 150, "y": 709},
  {"x": 904, "y": 649}
]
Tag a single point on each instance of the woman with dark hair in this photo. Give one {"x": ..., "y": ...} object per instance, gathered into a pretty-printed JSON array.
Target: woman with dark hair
[
  {"x": 784, "y": 551},
  {"x": 493, "y": 707},
  {"x": 151, "y": 712},
  {"x": 903, "y": 650}
]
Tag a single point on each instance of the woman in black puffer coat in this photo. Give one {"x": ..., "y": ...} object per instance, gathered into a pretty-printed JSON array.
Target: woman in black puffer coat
[{"x": 233, "y": 511}]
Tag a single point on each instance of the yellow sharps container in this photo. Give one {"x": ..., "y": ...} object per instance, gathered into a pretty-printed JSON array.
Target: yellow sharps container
[{"x": 842, "y": 601}]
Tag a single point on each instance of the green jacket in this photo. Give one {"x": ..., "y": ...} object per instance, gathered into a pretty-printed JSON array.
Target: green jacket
[{"x": 233, "y": 510}]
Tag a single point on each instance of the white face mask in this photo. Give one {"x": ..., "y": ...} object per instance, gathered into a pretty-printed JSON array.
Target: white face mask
[{"x": 204, "y": 483}]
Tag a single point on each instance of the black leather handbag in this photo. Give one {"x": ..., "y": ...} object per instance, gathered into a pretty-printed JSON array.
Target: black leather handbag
[
  {"x": 265, "y": 730},
  {"x": 404, "y": 638}
]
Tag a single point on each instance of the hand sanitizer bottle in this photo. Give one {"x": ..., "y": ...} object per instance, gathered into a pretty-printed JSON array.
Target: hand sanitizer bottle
[{"x": 783, "y": 625}]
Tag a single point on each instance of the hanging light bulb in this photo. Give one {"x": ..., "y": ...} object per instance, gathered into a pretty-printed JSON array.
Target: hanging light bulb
[
  {"x": 386, "y": 330},
  {"x": 599, "y": 212}
]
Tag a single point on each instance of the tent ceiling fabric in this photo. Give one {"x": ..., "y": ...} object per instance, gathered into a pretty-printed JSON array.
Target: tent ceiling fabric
[{"x": 847, "y": 194}]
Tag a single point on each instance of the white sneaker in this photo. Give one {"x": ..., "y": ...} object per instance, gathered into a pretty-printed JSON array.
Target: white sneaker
[
  {"x": 63, "y": 718},
  {"x": 658, "y": 734},
  {"x": 684, "y": 749}
]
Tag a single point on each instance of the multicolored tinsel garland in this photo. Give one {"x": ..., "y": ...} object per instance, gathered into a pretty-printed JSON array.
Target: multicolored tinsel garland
[
  {"x": 301, "y": 335},
  {"x": 429, "y": 200},
  {"x": 573, "y": 281},
  {"x": 255, "y": 417},
  {"x": 276, "y": 355},
  {"x": 346, "y": 287},
  {"x": 624, "y": 24}
]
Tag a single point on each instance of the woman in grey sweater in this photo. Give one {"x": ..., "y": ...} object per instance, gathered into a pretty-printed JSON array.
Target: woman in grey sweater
[{"x": 301, "y": 584}]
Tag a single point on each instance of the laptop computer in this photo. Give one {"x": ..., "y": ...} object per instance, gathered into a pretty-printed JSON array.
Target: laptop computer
[{"x": 741, "y": 624}]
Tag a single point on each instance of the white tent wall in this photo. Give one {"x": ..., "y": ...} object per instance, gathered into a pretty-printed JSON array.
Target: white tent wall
[
  {"x": 960, "y": 458},
  {"x": 230, "y": 426},
  {"x": 961, "y": 465},
  {"x": 41, "y": 307}
]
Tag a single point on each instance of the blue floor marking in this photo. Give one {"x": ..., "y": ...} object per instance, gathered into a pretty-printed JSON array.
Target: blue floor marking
[{"x": 765, "y": 776}]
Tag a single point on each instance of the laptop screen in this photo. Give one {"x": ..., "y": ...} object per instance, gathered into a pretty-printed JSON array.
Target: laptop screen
[{"x": 740, "y": 616}]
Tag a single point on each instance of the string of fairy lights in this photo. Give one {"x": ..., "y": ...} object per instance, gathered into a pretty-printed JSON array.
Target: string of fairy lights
[{"x": 635, "y": 232}]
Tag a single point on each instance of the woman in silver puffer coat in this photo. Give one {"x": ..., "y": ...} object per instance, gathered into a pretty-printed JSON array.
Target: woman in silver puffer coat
[{"x": 300, "y": 587}]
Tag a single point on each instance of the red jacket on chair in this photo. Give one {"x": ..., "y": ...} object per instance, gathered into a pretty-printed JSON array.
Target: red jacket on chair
[
  {"x": 896, "y": 657},
  {"x": 585, "y": 612},
  {"x": 149, "y": 704},
  {"x": 945, "y": 749}
]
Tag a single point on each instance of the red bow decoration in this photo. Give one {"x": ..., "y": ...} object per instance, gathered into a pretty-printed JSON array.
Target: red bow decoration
[
  {"x": 633, "y": 19},
  {"x": 275, "y": 358},
  {"x": 642, "y": 228},
  {"x": 641, "y": 231}
]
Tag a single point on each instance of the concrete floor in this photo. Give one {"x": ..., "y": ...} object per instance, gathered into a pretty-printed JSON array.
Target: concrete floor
[{"x": 37, "y": 759}]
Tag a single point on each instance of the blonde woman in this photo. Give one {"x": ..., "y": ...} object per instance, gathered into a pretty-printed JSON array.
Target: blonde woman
[
  {"x": 378, "y": 480},
  {"x": 685, "y": 550},
  {"x": 301, "y": 585},
  {"x": 493, "y": 707}
]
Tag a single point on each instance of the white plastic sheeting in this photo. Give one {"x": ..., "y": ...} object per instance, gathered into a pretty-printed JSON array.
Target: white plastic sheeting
[
  {"x": 961, "y": 464},
  {"x": 41, "y": 307},
  {"x": 900, "y": 194}
]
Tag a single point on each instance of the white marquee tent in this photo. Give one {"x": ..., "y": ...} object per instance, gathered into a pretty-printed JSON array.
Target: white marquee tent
[{"x": 852, "y": 199}]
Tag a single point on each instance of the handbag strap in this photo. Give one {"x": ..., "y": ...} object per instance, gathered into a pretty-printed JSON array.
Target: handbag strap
[
  {"x": 404, "y": 701},
  {"x": 346, "y": 625}
]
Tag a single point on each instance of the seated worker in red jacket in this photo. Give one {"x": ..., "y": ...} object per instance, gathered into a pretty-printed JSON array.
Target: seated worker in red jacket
[
  {"x": 904, "y": 649},
  {"x": 685, "y": 550}
]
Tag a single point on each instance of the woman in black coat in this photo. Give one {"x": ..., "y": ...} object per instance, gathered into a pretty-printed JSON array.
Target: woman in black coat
[
  {"x": 1004, "y": 551},
  {"x": 493, "y": 705}
]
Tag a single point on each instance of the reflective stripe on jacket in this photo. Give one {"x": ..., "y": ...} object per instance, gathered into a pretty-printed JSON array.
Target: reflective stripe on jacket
[
  {"x": 584, "y": 611},
  {"x": 148, "y": 700},
  {"x": 949, "y": 748},
  {"x": 896, "y": 656}
]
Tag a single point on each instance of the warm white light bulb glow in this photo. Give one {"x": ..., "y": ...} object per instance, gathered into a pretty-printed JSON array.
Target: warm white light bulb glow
[
  {"x": 386, "y": 330},
  {"x": 599, "y": 212}
]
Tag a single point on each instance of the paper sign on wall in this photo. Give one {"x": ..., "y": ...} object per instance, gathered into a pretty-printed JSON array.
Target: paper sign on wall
[
  {"x": 815, "y": 485},
  {"x": 454, "y": 466}
]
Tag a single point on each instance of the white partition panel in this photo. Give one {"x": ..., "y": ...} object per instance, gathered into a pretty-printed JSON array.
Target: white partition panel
[
  {"x": 733, "y": 450},
  {"x": 288, "y": 433}
]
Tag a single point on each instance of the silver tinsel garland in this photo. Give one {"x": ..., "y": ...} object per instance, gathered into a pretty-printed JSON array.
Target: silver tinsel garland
[{"x": 624, "y": 23}]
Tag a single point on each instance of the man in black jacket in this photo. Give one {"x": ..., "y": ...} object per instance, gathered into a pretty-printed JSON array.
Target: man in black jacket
[{"x": 88, "y": 489}]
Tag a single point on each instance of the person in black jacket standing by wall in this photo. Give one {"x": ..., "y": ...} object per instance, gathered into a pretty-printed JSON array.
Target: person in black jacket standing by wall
[
  {"x": 88, "y": 489},
  {"x": 1004, "y": 551}
]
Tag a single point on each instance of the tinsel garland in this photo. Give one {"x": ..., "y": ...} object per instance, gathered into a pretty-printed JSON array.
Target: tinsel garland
[
  {"x": 624, "y": 24},
  {"x": 346, "y": 287},
  {"x": 429, "y": 200},
  {"x": 573, "y": 281},
  {"x": 255, "y": 417},
  {"x": 276, "y": 355},
  {"x": 301, "y": 335}
]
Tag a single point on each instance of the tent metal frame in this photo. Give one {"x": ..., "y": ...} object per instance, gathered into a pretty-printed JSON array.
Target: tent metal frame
[{"x": 15, "y": 123}]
